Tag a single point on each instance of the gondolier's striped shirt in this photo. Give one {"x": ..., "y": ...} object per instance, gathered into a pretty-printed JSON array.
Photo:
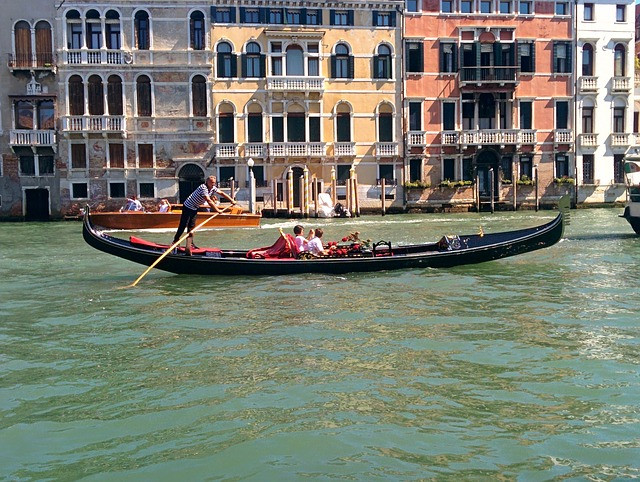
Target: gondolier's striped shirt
[{"x": 198, "y": 196}]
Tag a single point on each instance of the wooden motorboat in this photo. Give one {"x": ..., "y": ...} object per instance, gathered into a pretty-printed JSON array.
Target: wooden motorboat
[
  {"x": 233, "y": 217},
  {"x": 449, "y": 251}
]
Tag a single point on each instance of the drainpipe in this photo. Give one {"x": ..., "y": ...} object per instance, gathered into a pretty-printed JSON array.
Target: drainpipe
[{"x": 575, "y": 102}]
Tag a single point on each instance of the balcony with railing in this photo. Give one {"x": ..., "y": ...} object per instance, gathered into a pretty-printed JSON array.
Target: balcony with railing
[
  {"x": 416, "y": 139},
  {"x": 620, "y": 139},
  {"x": 94, "y": 57},
  {"x": 36, "y": 138},
  {"x": 255, "y": 149},
  {"x": 478, "y": 76},
  {"x": 588, "y": 84},
  {"x": 588, "y": 140},
  {"x": 386, "y": 149},
  {"x": 283, "y": 83},
  {"x": 37, "y": 61},
  {"x": 93, "y": 123},
  {"x": 344, "y": 149},
  {"x": 621, "y": 84},
  {"x": 489, "y": 137},
  {"x": 226, "y": 151},
  {"x": 563, "y": 136},
  {"x": 297, "y": 149}
]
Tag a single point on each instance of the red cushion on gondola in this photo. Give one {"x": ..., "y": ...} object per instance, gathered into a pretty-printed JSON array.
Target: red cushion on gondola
[
  {"x": 283, "y": 248},
  {"x": 143, "y": 243}
]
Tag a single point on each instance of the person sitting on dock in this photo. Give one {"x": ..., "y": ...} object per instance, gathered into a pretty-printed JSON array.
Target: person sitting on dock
[
  {"x": 164, "y": 206},
  {"x": 200, "y": 195},
  {"x": 315, "y": 246},
  {"x": 302, "y": 243},
  {"x": 133, "y": 204}
]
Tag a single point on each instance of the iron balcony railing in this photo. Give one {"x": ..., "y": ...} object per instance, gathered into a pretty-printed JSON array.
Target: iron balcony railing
[{"x": 488, "y": 75}]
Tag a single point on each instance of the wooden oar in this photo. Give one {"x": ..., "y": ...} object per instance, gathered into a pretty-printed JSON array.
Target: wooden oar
[{"x": 177, "y": 243}]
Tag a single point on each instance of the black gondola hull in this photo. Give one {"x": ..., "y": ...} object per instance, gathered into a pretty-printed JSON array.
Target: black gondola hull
[{"x": 472, "y": 249}]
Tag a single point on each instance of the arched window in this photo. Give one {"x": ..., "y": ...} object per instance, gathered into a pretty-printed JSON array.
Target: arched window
[
  {"x": 199, "y": 96},
  {"x": 295, "y": 60},
  {"x": 143, "y": 96},
  {"x": 343, "y": 123},
  {"x": 76, "y": 95},
  {"x": 196, "y": 24},
  {"x": 74, "y": 30},
  {"x": 22, "y": 32},
  {"x": 114, "y": 95},
  {"x": 44, "y": 46},
  {"x": 342, "y": 63},
  {"x": 112, "y": 26},
  {"x": 226, "y": 124},
  {"x": 253, "y": 62},
  {"x": 254, "y": 123},
  {"x": 619, "y": 66},
  {"x": 141, "y": 23},
  {"x": 227, "y": 66},
  {"x": 587, "y": 60},
  {"x": 96, "y": 96},
  {"x": 382, "y": 63},
  {"x": 94, "y": 30}
]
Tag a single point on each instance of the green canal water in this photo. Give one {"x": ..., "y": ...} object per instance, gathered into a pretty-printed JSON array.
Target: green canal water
[{"x": 525, "y": 368}]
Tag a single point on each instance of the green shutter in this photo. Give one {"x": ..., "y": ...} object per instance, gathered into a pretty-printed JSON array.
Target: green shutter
[
  {"x": 555, "y": 56},
  {"x": 243, "y": 62},
  {"x": 533, "y": 56},
  {"x": 333, "y": 66},
  {"x": 263, "y": 65},
  {"x": 376, "y": 59},
  {"x": 375, "y": 18},
  {"x": 351, "y": 69},
  {"x": 242, "y": 15},
  {"x": 234, "y": 65}
]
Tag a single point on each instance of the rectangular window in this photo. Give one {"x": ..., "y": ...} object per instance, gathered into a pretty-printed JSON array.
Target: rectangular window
[
  {"x": 78, "y": 156},
  {"x": 446, "y": 6},
  {"x": 448, "y": 62},
  {"x": 526, "y": 114},
  {"x": 448, "y": 169},
  {"x": 79, "y": 190},
  {"x": 621, "y": 13},
  {"x": 618, "y": 119},
  {"x": 562, "y": 8},
  {"x": 588, "y": 12},
  {"x": 226, "y": 129},
  {"x": 342, "y": 174},
  {"x": 296, "y": 131},
  {"x": 250, "y": 15},
  {"x": 466, "y": 6},
  {"x": 505, "y": 6},
  {"x": 587, "y": 120},
  {"x": 226, "y": 174},
  {"x": 526, "y": 56},
  {"x": 587, "y": 168},
  {"x": 147, "y": 190},
  {"x": 415, "y": 58},
  {"x": 293, "y": 17},
  {"x": 562, "y": 57},
  {"x": 412, "y": 6},
  {"x": 381, "y": 19},
  {"x": 45, "y": 165},
  {"x": 116, "y": 156},
  {"x": 385, "y": 128},
  {"x": 415, "y": 116},
  {"x": 27, "y": 165},
  {"x": 145, "y": 156},
  {"x": 562, "y": 165},
  {"x": 467, "y": 169},
  {"x": 275, "y": 15},
  {"x": 343, "y": 127},
  {"x": 506, "y": 168},
  {"x": 223, "y": 15},
  {"x": 116, "y": 190},
  {"x": 526, "y": 168},
  {"x": 386, "y": 173},
  {"x": 277, "y": 129},
  {"x": 314, "y": 17},
  {"x": 562, "y": 114},
  {"x": 314, "y": 129},
  {"x": 618, "y": 171},
  {"x": 415, "y": 170},
  {"x": 525, "y": 7},
  {"x": 448, "y": 116},
  {"x": 485, "y": 6},
  {"x": 340, "y": 17},
  {"x": 254, "y": 126}
]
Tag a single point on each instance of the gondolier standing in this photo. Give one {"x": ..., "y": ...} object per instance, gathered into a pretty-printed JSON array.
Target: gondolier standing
[{"x": 203, "y": 193}]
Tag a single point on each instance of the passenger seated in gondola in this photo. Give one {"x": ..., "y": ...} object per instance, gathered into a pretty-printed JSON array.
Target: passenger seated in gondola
[
  {"x": 302, "y": 243},
  {"x": 315, "y": 244},
  {"x": 164, "y": 206},
  {"x": 132, "y": 204}
]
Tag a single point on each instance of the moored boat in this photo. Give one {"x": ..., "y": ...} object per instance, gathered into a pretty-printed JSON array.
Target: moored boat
[
  {"x": 232, "y": 218},
  {"x": 449, "y": 251},
  {"x": 632, "y": 208}
]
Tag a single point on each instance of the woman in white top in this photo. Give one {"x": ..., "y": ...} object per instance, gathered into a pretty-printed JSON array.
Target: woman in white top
[
  {"x": 315, "y": 244},
  {"x": 302, "y": 243}
]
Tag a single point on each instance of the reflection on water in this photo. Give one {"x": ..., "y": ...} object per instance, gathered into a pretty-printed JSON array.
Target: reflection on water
[{"x": 525, "y": 367}]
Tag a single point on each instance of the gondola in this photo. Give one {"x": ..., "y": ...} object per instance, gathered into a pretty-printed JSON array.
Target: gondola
[{"x": 449, "y": 251}]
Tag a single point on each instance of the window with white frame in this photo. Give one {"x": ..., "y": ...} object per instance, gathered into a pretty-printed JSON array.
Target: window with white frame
[
  {"x": 79, "y": 190},
  {"x": 447, "y": 6},
  {"x": 78, "y": 156},
  {"x": 466, "y": 6},
  {"x": 147, "y": 190},
  {"x": 525, "y": 7},
  {"x": 505, "y": 7},
  {"x": 145, "y": 156},
  {"x": 413, "y": 5},
  {"x": 562, "y": 8},
  {"x": 117, "y": 190},
  {"x": 448, "y": 169},
  {"x": 116, "y": 155},
  {"x": 621, "y": 13},
  {"x": 486, "y": 6}
]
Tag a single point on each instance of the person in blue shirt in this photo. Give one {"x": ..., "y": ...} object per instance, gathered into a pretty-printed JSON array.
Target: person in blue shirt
[{"x": 204, "y": 193}]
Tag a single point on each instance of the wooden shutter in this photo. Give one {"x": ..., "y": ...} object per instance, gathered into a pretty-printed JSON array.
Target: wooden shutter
[
  {"x": 555, "y": 57},
  {"x": 254, "y": 127},
  {"x": 303, "y": 16},
  {"x": 213, "y": 12},
  {"x": 243, "y": 65},
  {"x": 533, "y": 56},
  {"x": 76, "y": 96},
  {"x": 220, "y": 70},
  {"x": 376, "y": 60},
  {"x": 116, "y": 156},
  {"x": 23, "y": 44},
  {"x": 350, "y": 17},
  {"x": 314, "y": 129},
  {"x": 143, "y": 91},
  {"x": 375, "y": 18},
  {"x": 96, "y": 96},
  {"x": 393, "y": 18},
  {"x": 243, "y": 18},
  {"x": 114, "y": 96},
  {"x": 332, "y": 17},
  {"x": 234, "y": 65},
  {"x": 44, "y": 48},
  {"x": 78, "y": 156},
  {"x": 333, "y": 66},
  {"x": 351, "y": 68},
  {"x": 264, "y": 15},
  {"x": 145, "y": 156},
  {"x": 199, "y": 96},
  {"x": 569, "y": 64},
  {"x": 232, "y": 14},
  {"x": 263, "y": 65}
]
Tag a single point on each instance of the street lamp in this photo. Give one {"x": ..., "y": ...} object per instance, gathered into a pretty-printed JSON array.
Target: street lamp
[{"x": 252, "y": 187}]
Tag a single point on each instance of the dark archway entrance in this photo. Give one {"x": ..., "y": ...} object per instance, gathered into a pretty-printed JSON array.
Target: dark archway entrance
[
  {"x": 37, "y": 204},
  {"x": 487, "y": 159},
  {"x": 298, "y": 172},
  {"x": 191, "y": 176}
]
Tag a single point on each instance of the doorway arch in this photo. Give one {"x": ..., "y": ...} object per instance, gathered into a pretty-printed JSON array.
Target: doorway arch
[
  {"x": 191, "y": 176},
  {"x": 486, "y": 160}
]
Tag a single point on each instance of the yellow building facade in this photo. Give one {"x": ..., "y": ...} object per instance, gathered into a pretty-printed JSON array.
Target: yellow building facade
[{"x": 314, "y": 88}]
